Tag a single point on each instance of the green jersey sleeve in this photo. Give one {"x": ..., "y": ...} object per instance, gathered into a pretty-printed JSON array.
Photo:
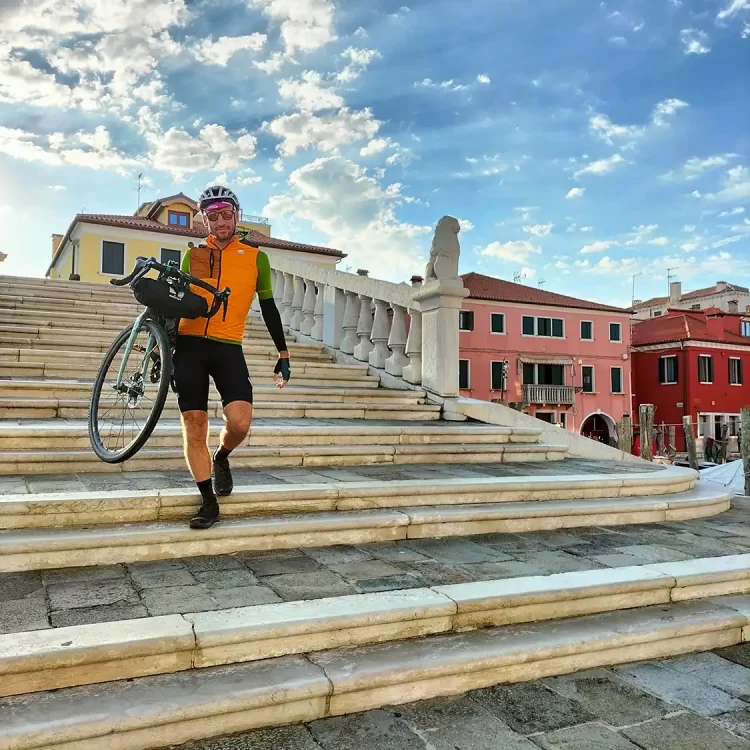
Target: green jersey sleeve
[
  {"x": 264, "y": 286},
  {"x": 185, "y": 265}
]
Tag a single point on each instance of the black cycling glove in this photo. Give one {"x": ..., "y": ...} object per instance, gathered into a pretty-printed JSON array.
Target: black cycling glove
[{"x": 283, "y": 368}]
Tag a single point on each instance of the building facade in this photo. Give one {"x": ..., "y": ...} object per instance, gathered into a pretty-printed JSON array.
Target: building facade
[
  {"x": 727, "y": 297},
  {"x": 693, "y": 363},
  {"x": 98, "y": 247},
  {"x": 561, "y": 359}
]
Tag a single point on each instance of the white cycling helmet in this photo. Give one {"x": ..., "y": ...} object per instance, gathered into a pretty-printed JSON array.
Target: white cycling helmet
[{"x": 217, "y": 194}]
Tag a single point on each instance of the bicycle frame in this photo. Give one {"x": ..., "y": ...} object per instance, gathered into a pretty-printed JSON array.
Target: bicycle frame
[{"x": 131, "y": 340}]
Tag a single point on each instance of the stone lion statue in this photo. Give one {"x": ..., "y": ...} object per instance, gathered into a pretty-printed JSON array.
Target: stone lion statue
[{"x": 443, "y": 263}]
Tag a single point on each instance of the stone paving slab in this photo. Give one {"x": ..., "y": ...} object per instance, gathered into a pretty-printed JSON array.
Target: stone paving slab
[
  {"x": 601, "y": 709},
  {"x": 146, "y": 480},
  {"x": 56, "y": 598}
]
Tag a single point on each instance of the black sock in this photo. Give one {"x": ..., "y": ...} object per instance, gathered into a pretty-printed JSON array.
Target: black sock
[
  {"x": 222, "y": 454},
  {"x": 207, "y": 491}
]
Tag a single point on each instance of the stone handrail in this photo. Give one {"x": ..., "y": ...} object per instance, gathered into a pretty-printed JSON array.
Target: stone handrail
[
  {"x": 548, "y": 394},
  {"x": 367, "y": 318}
]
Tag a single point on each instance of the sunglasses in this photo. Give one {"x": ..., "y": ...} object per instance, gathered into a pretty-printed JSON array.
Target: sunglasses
[{"x": 227, "y": 214}]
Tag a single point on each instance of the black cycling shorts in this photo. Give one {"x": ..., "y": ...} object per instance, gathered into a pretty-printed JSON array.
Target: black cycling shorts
[{"x": 196, "y": 359}]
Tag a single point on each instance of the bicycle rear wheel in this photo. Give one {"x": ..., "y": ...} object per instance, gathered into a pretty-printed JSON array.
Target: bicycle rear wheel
[{"x": 125, "y": 410}]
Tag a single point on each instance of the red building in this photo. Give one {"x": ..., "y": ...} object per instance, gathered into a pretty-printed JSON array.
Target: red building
[{"x": 696, "y": 363}]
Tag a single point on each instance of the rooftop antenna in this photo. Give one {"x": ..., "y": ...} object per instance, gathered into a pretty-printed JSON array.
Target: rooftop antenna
[
  {"x": 670, "y": 277},
  {"x": 634, "y": 276},
  {"x": 541, "y": 283},
  {"x": 140, "y": 177},
  {"x": 517, "y": 276}
]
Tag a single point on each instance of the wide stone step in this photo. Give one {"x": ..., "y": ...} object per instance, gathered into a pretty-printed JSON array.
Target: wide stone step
[
  {"x": 53, "y": 304},
  {"x": 154, "y": 459},
  {"x": 39, "y": 549},
  {"x": 44, "y": 408},
  {"x": 33, "y": 661},
  {"x": 157, "y": 711},
  {"x": 71, "y": 509},
  {"x": 57, "y": 435},
  {"x": 61, "y": 390}
]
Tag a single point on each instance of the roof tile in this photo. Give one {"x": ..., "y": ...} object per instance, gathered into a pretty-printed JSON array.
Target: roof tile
[{"x": 683, "y": 326}]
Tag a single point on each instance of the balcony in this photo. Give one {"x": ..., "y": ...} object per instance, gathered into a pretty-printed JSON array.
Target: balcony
[
  {"x": 549, "y": 394},
  {"x": 250, "y": 219}
]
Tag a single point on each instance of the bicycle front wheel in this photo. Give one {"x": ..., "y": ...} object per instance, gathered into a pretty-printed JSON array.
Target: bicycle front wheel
[{"x": 129, "y": 392}]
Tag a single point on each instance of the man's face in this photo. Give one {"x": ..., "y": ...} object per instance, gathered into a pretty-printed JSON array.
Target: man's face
[{"x": 222, "y": 222}]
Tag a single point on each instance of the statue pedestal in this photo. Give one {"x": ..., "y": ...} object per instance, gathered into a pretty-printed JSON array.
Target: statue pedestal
[{"x": 440, "y": 301}]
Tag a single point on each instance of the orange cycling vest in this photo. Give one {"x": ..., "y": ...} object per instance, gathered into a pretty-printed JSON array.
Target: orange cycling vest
[{"x": 236, "y": 266}]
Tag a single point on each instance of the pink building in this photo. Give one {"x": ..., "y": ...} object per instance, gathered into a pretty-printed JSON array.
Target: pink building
[{"x": 568, "y": 359}]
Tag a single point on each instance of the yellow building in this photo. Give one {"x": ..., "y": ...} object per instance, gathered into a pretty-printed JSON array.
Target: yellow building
[{"x": 98, "y": 247}]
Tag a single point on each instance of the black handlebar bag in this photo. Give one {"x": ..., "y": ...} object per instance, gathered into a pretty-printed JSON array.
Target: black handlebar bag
[{"x": 170, "y": 301}]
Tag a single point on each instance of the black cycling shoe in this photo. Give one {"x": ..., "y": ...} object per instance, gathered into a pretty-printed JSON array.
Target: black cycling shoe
[
  {"x": 223, "y": 482},
  {"x": 206, "y": 517}
]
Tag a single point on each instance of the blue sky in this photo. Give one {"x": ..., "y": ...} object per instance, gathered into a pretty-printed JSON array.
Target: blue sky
[{"x": 578, "y": 142}]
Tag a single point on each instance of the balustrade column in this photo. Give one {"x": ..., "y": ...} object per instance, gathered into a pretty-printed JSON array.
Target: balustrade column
[
  {"x": 297, "y": 303},
  {"x": 351, "y": 316},
  {"x": 317, "y": 329},
  {"x": 286, "y": 299},
  {"x": 278, "y": 287},
  {"x": 395, "y": 364},
  {"x": 380, "y": 336},
  {"x": 364, "y": 329},
  {"x": 308, "y": 309},
  {"x": 412, "y": 372}
]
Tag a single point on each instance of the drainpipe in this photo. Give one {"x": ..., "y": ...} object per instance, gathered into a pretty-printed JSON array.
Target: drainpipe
[{"x": 685, "y": 408}]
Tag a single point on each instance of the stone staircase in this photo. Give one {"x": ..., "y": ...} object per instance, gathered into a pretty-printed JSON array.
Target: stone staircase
[{"x": 338, "y": 471}]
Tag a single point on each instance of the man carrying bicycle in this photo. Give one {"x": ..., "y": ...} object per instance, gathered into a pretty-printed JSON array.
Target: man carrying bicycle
[{"x": 213, "y": 348}]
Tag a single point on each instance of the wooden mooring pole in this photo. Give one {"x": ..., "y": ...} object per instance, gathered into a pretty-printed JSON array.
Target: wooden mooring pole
[
  {"x": 687, "y": 426},
  {"x": 647, "y": 412}
]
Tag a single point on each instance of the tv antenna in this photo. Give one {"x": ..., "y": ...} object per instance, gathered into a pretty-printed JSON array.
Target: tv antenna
[
  {"x": 541, "y": 283},
  {"x": 140, "y": 178},
  {"x": 634, "y": 276},
  {"x": 670, "y": 276},
  {"x": 517, "y": 276}
]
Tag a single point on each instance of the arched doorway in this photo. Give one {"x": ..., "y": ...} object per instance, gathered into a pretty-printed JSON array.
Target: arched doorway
[{"x": 598, "y": 427}]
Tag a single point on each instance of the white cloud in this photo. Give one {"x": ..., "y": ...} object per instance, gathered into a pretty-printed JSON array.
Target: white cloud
[
  {"x": 694, "y": 168},
  {"x": 597, "y": 247},
  {"x": 665, "y": 109},
  {"x": 57, "y": 188},
  {"x": 301, "y": 131},
  {"x": 483, "y": 78},
  {"x": 179, "y": 153},
  {"x": 514, "y": 252},
  {"x": 608, "y": 131},
  {"x": 308, "y": 93},
  {"x": 696, "y": 194},
  {"x": 356, "y": 213},
  {"x": 735, "y": 6},
  {"x": 449, "y": 85},
  {"x": 618, "y": 41},
  {"x": 375, "y": 146},
  {"x": 306, "y": 25},
  {"x": 466, "y": 225},
  {"x": 746, "y": 31},
  {"x": 659, "y": 241},
  {"x": 743, "y": 228},
  {"x": 727, "y": 241},
  {"x": 691, "y": 246},
  {"x": 528, "y": 273},
  {"x": 694, "y": 42},
  {"x": 359, "y": 60},
  {"x": 277, "y": 165},
  {"x": 272, "y": 65},
  {"x": 576, "y": 192},
  {"x": 220, "y": 51},
  {"x": 245, "y": 177},
  {"x": 689, "y": 227},
  {"x": 587, "y": 229},
  {"x": 641, "y": 234},
  {"x": 487, "y": 166},
  {"x": 733, "y": 212},
  {"x": 736, "y": 186},
  {"x": 539, "y": 230},
  {"x": 601, "y": 166},
  {"x": 361, "y": 33}
]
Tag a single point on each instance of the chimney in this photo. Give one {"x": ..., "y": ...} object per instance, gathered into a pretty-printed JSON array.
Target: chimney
[
  {"x": 733, "y": 306},
  {"x": 417, "y": 281},
  {"x": 675, "y": 292},
  {"x": 721, "y": 286},
  {"x": 715, "y": 325},
  {"x": 56, "y": 240},
  {"x": 362, "y": 272}
]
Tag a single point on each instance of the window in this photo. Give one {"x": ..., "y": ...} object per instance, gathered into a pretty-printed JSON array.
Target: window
[
  {"x": 170, "y": 255},
  {"x": 657, "y": 313},
  {"x": 745, "y": 328},
  {"x": 615, "y": 332},
  {"x": 547, "y": 327},
  {"x": 735, "y": 371},
  {"x": 587, "y": 372},
  {"x": 695, "y": 307},
  {"x": 587, "y": 330},
  {"x": 113, "y": 258},
  {"x": 464, "y": 380},
  {"x": 466, "y": 320},
  {"x": 497, "y": 322},
  {"x": 499, "y": 382},
  {"x": 178, "y": 219},
  {"x": 616, "y": 377},
  {"x": 705, "y": 368},
  {"x": 543, "y": 374},
  {"x": 668, "y": 370}
]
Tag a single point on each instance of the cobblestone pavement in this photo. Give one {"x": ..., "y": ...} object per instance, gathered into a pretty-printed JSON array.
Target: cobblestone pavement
[
  {"x": 695, "y": 702},
  {"x": 149, "y": 480},
  {"x": 56, "y": 598}
]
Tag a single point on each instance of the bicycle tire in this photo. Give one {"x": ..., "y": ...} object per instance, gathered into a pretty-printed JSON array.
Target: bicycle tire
[{"x": 116, "y": 457}]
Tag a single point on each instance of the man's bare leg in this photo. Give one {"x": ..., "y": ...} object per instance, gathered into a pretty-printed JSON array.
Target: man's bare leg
[{"x": 195, "y": 435}]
